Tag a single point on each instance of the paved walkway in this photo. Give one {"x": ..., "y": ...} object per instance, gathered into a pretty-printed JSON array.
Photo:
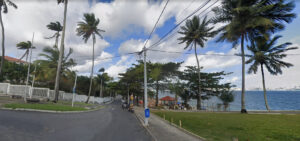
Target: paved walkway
[{"x": 163, "y": 131}]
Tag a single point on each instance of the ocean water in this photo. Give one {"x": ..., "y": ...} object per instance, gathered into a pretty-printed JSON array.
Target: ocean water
[{"x": 277, "y": 100}]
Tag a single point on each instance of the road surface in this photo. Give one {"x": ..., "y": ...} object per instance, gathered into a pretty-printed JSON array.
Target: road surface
[{"x": 108, "y": 124}]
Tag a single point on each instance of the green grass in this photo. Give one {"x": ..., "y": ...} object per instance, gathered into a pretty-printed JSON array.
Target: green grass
[
  {"x": 245, "y": 127},
  {"x": 48, "y": 106}
]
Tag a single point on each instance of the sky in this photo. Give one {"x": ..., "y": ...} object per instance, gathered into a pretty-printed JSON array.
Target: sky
[{"x": 127, "y": 25}]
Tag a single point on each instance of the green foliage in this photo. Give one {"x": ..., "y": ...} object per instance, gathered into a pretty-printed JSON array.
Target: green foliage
[
  {"x": 88, "y": 27},
  {"x": 244, "y": 127},
  {"x": 5, "y": 3},
  {"x": 265, "y": 52},
  {"x": 15, "y": 73},
  {"x": 251, "y": 18},
  {"x": 196, "y": 31},
  {"x": 210, "y": 82}
]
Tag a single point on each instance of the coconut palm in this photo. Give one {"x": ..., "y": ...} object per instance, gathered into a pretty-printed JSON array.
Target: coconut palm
[
  {"x": 245, "y": 18},
  {"x": 57, "y": 27},
  {"x": 264, "y": 53},
  {"x": 196, "y": 32},
  {"x": 49, "y": 64},
  {"x": 61, "y": 49},
  {"x": 86, "y": 29},
  {"x": 4, "y": 8},
  {"x": 25, "y": 46}
]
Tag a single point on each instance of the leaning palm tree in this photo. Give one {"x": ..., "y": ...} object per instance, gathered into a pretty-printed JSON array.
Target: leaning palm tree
[
  {"x": 266, "y": 53},
  {"x": 196, "y": 32},
  {"x": 4, "y": 8},
  {"x": 25, "y": 46},
  {"x": 57, "y": 27},
  {"x": 245, "y": 18},
  {"x": 61, "y": 50},
  {"x": 86, "y": 29}
]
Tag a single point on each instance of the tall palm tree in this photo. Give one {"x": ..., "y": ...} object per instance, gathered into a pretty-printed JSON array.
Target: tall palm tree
[
  {"x": 266, "y": 53},
  {"x": 245, "y": 18},
  {"x": 86, "y": 29},
  {"x": 25, "y": 46},
  {"x": 196, "y": 32},
  {"x": 57, "y": 27},
  {"x": 4, "y": 8},
  {"x": 61, "y": 50}
]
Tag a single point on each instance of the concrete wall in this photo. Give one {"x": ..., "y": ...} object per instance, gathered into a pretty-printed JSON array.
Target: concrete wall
[
  {"x": 4, "y": 88},
  {"x": 34, "y": 92}
]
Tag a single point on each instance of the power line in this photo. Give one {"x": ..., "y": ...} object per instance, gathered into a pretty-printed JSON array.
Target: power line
[
  {"x": 199, "y": 8},
  {"x": 214, "y": 54},
  {"x": 173, "y": 34},
  {"x": 156, "y": 23}
]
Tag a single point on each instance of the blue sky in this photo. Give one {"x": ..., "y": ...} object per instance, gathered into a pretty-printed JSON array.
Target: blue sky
[{"x": 127, "y": 25}]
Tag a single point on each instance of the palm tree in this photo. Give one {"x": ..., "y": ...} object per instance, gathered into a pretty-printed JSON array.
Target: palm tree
[
  {"x": 196, "y": 32},
  {"x": 25, "y": 46},
  {"x": 86, "y": 29},
  {"x": 57, "y": 27},
  {"x": 4, "y": 8},
  {"x": 245, "y": 18},
  {"x": 266, "y": 53},
  {"x": 61, "y": 50},
  {"x": 49, "y": 64}
]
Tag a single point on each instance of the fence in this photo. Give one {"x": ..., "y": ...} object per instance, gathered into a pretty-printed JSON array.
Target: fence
[{"x": 34, "y": 92}]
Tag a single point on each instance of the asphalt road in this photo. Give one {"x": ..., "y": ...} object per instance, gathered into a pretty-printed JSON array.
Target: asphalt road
[{"x": 108, "y": 124}]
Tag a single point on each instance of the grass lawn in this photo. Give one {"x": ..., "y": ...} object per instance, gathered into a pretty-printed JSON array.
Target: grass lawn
[
  {"x": 245, "y": 127},
  {"x": 47, "y": 106}
]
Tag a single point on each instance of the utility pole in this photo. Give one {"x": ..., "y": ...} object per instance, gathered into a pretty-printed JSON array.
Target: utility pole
[
  {"x": 74, "y": 90},
  {"x": 33, "y": 75},
  {"x": 145, "y": 86},
  {"x": 29, "y": 67}
]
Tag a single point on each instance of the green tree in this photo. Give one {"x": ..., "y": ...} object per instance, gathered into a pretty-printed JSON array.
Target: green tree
[
  {"x": 48, "y": 66},
  {"x": 57, "y": 27},
  {"x": 86, "y": 29},
  {"x": 25, "y": 46},
  {"x": 161, "y": 73},
  {"x": 61, "y": 50},
  {"x": 226, "y": 96},
  {"x": 4, "y": 8},
  {"x": 246, "y": 18},
  {"x": 266, "y": 53},
  {"x": 196, "y": 32}
]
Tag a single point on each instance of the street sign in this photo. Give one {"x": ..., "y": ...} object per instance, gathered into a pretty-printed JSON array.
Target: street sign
[{"x": 147, "y": 113}]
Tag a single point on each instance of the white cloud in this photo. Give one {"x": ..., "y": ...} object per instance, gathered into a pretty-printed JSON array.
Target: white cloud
[{"x": 213, "y": 60}]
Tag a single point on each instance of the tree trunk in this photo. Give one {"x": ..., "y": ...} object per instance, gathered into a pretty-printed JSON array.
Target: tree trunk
[
  {"x": 3, "y": 41},
  {"x": 61, "y": 53},
  {"x": 243, "y": 110},
  {"x": 157, "y": 88},
  {"x": 264, "y": 87},
  {"x": 199, "y": 80},
  {"x": 101, "y": 94},
  {"x": 56, "y": 39},
  {"x": 92, "y": 72}
]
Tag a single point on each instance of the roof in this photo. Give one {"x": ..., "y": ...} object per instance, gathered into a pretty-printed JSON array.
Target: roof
[
  {"x": 12, "y": 59},
  {"x": 168, "y": 98}
]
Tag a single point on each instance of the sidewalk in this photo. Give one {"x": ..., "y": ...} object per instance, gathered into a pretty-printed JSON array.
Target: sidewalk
[{"x": 163, "y": 131}]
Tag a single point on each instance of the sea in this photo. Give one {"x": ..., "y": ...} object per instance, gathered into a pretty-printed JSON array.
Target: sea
[{"x": 277, "y": 100}]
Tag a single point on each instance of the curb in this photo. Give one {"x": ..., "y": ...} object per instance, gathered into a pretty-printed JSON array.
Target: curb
[
  {"x": 49, "y": 111},
  {"x": 146, "y": 127},
  {"x": 180, "y": 128}
]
